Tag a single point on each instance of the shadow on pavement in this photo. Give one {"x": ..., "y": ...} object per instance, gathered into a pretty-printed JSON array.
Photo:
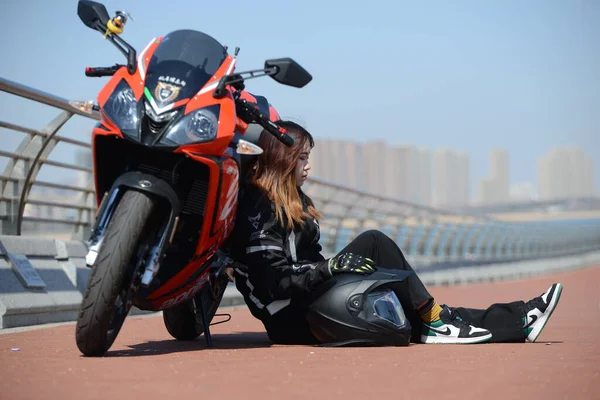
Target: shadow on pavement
[{"x": 238, "y": 340}]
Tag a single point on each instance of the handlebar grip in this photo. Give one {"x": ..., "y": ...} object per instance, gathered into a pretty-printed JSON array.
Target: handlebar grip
[
  {"x": 249, "y": 113},
  {"x": 92, "y": 72},
  {"x": 99, "y": 72},
  {"x": 277, "y": 131}
]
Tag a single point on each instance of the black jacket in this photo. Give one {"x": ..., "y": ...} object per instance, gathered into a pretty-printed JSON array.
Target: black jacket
[{"x": 273, "y": 264}]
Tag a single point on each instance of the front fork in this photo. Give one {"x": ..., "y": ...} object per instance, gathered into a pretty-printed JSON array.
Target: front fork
[
  {"x": 105, "y": 213},
  {"x": 153, "y": 263}
]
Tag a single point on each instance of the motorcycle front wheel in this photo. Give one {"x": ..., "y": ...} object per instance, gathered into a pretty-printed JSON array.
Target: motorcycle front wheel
[{"x": 104, "y": 306}]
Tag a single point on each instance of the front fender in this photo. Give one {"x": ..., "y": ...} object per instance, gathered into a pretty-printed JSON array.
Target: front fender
[{"x": 142, "y": 182}]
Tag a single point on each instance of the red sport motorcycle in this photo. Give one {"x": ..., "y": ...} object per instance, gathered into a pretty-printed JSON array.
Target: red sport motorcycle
[{"x": 170, "y": 155}]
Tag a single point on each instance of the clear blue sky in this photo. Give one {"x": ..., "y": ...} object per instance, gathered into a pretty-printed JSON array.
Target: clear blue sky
[{"x": 471, "y": 75}]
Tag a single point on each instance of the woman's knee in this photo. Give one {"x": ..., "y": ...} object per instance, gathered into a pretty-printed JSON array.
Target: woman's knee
[
  {"x": 380, "y": 239},
  {"x": 375, "y": 235}
]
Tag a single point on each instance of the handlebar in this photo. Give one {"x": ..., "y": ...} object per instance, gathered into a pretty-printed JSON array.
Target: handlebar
[
  {"x": 102, "y": 71},
  {"x": 253, "y": 113}
]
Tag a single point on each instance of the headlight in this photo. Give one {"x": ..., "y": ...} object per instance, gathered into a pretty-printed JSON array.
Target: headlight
[
  {"x": 196, "y": 127},
  {"x": 386, "y": 306},
  {"x": 123, "y": 110}
]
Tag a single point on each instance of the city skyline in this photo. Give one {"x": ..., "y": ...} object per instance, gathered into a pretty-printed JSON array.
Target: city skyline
[
  {"x": 442, "y": 177},
  {"x": 468, "y": 75},
  {"x": 565, "y": 171}
]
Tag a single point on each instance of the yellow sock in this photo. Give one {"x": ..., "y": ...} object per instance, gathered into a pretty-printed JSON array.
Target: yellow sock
[{"x": 430, "y": 312}]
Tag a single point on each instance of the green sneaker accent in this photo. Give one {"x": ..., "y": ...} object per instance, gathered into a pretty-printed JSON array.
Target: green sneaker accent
[
  {"x": 428, "y": 332},
  {"x": 434, "y": 324},
  {"x": 527, "y": 330}
]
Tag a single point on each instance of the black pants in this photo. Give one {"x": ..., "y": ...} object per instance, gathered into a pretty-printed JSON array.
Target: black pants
[{"x": 503, "y": 320}]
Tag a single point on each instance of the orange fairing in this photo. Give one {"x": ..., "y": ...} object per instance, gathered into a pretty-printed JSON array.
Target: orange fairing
[
  {"x": 227, "y": 116},
  {"x": 221, "y": 199},
  {"x": 224, "y": 210},
  {"x": 219, "y": 214},
  {"x": 186, "y": 293}
]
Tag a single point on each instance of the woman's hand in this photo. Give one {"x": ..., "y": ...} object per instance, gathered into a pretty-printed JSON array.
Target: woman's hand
[{"x": 353, "y": 263}]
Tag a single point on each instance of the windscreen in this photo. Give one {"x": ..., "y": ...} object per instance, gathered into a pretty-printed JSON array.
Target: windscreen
[{"x": 182, "y": 64}]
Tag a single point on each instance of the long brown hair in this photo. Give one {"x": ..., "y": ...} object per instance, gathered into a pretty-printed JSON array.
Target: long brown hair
[{"x": 275, "y": 175}]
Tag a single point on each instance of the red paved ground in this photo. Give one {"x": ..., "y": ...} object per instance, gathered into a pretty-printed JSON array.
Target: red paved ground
[{"x": 147, "y": 364}]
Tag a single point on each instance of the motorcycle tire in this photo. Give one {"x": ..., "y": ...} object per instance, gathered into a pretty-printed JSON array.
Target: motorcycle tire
[
  {"x": 181, "y": 321},
  {"x": 94, "y": 333}
]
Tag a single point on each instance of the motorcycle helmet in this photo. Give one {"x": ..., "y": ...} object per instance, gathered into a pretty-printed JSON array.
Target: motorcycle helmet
[{"x": 356, "y": 310}]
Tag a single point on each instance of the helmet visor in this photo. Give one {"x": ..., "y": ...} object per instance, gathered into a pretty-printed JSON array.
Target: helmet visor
[{"x": 386, "y": 306}]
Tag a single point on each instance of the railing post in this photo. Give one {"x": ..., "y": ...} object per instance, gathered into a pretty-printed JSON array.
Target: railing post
[
  {"x": 45, "y": 149},
  {"x": 16, "y": 170}
]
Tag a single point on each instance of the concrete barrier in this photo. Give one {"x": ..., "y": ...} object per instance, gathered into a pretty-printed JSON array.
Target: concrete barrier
[{"x": 42, "y": 280}]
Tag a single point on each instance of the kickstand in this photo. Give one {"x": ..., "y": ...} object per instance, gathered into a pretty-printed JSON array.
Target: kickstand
[{"x": 205, "y": 323}]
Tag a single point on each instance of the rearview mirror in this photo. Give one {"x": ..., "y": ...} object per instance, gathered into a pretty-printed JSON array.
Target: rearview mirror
[
  {"x": 90, "y": 11},
  {"x": 289, "y": 72}
]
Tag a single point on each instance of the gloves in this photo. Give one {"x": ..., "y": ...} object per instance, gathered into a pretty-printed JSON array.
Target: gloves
[{"x": 349, "y": 262}]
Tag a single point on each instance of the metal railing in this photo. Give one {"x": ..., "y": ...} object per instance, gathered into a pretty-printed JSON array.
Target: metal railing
[
  {"x": 426, "y": 235},
  {"x": 25, "y": 162},
  {"x": 559, "y": 205},
  {"x": 434, "y": 236}
]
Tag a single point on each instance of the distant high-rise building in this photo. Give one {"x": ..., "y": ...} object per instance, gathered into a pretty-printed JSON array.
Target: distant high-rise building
[
  {"x": 424, "y": 181},
  {"x": 565, "y": 173},
  {"x": 450, "y": 178},
  {"x": 588, "y": 177},
  {"x": 544, "y": 170},
  {"x": 318, "y": 161},
  {"x": 463, "y": 177},
  {"x": 403, "y": 171},
  {"x": 442, "y": 177},
  {"x": 375, "y": 156},
  {"x": 325, "y": 159},
  {"x": 336, "y": 161},
  {"x": 485, "y": 191},
  {"x": 499, "y": 171},
  {"x": 495, "y": 189},
  {"x": 350, "y": 167}
]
